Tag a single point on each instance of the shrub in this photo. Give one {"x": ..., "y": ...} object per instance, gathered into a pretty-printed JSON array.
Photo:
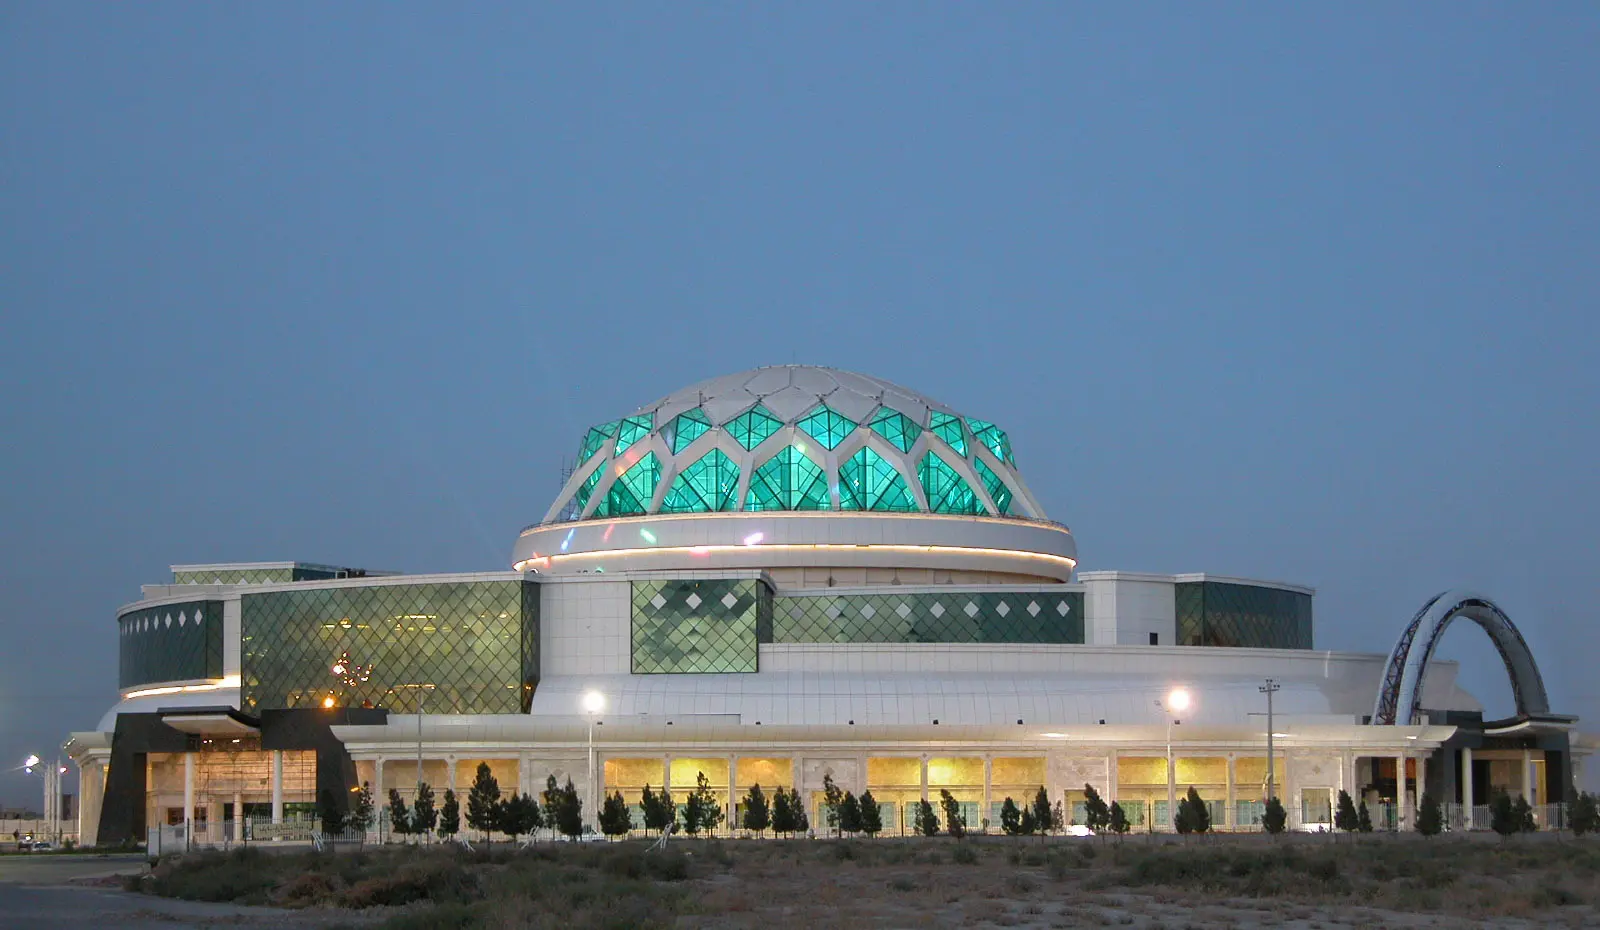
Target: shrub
[
  {"x": 965, "y": 855},
  {"x": 239, "y": 875},
  {"x": 1274, "y": 818},
  {"x": 306, "y": 888},
  {"x": 1583, "y": 814},
  {"x": 1345, "y": 817},
  {"x": 1430, "y": 820}
]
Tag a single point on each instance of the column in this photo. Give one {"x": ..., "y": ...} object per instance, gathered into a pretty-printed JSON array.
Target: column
[
  {"x": 451, "y": 761},
  {"x": 1402, "y": 809},
  {"x": 1172, "y": 788},
  {"x": 1466, "y": 787},
  {"x": 277, "y": 786},
  {"x": 1111, "y": 778},
  {"x": 1527, "y": 776},
  {"x": 238, "y": 817},
  {"x": 1230, "y": 815},
  {"x": 188, "y": 798},
  {"x": 924, "y": 776},
  {"x": 1422, "y": 777},
  {"x": 988, "y": 782},
  {"x": 733, "y": 787}
]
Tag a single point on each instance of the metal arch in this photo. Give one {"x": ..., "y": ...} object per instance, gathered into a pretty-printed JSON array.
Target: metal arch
[{"x": 1400, "y": 694}]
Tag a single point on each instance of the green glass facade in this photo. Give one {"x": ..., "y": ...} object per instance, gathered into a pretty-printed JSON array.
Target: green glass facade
[
  {"x": 999, "y": 492},
  {"x": 699, "y": 627},
  {"x": 708, "y": 484},
  {"x": 788, "y": 481},
  {"x": 947, "y": 491},
  {"x": 595, "y": 438},
  {"x": 227, "y": 575},
  {"x": 630, "y": 431},
  {"x": 751, "y": 428},
  {"x": 476, "y": 643},
  {"x": 993, "y": 438},
  {"x": 826, "y": 426},
  {"x": 896, "y": 427},
  {"x": 1213, "y": 613},
  {"x": 633, "y": 490},
  {"x": 947, "y": 426},
  {"x": 954, "y": 617},
  {"x": 686, "y": 427},
  {"x": 867, "y": 481},
  {"x": 174, "y": 642}
]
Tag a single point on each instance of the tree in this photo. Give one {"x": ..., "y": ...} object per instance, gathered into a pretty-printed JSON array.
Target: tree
[
  {"x": 1027, "y": 825},
  {"x": 518, "y": 815},
  {"x": 1096, "y": 815},
  {"x": 1363, "y": 818},
  {"x": 797, "y": 807},
  {"x": 1524, "y": 813},
  {"x": 850, "y": 814},
  {"x": 1041, "y": 811},
  {"x": 1503, "y": 815},
  {"x": 399, "y": 817},
  {"x": 615, "y": 817},
  {"x": 1344, "y": 816},
  {"x": 1117, "y": 819},
  {"x": 563, "y": 812},
  {"x": 871, "y": 814},
  {"x": 1058, "y": 820},
  {"x": 1430, "y": 819},
  {"x": 927, "y": 822},
  {"x": 449, "y": 816},
  {"x": 955, "y": 823},
  {"x": 361, "y": 816},
  {"x": 659, "y": 811},
  {"x": 329, "y": 812},
  {"x": 1194, "y": 813},
  {"x": 757, "y": 815},
  {"x": 782, "y": 812},
  {"x": 423, "y": 815},
  {"x": 1275, "y": 818},
  {"x": 1010, "y": 818},
  {"x": 710, "y": 808},
  {"x": 832, "y": 797},
  {"x": 1583, "y": 814},
  {"x": 483, "y": 801}
]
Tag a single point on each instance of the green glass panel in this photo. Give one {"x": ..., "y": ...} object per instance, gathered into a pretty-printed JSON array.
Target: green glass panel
[
  {"x": 688, "y": 426},
  {"x": 474, "y": 642},
  {"x": 595, "y": 438},
  {"x": 826, "y": 425},
  {"x": 1214, "y": 613},
  {"x": 751, "y": 428},
  {"x": 630, "y": 431},
  {"x": 633, "y": 490},
  {"x": 707, "y": 484},
  {"x": 992, "y": 437},
  {"x": 173, "y": 642},
  {"x": 580, "y": 500},
  {"x": 788, "y": 481},
  {"x": 947, "y": 491},
  {"x": 896, "y": 427},
  {"x": 998, "y": 491},
  {"x": 943, "y": 617},
  {"x": 947, "y": 426},
  {"x": 868, "y": 482},
  {"x": 699, "y": 627}
]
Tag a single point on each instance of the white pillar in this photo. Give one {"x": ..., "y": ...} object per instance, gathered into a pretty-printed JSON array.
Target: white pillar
[
  {"x": 1466, "y": 785},
  {"x": 924, "y": 777},
  {"x": 188, "y": 798},
  {"x": 277, "y": 786},
  {"x": 1402, "y": 804},
  {"x": 988, "y": 782},
  {"x": 238, "y": 817},
  {"x": 1527, "y": 776},
  {"x": 1422, "y": 777},
  {"x": 1229, "y": 816},
  {"x": 522, "y": 764},
  {"x": 733, "y": 787}
]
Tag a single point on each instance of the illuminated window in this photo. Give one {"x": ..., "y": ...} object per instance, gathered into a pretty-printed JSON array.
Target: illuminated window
[
  {"x": 947, "y": 426},
  {"x": 826, "y": 426},
  {"x": 993, "y": 437},
  {"x": 580, "y": 499},
  {"x": 896, "y": 427},
  {"x": 751, "y": 428},
  {"x": 868, "y": 482},
  {"x": 998, "y": 491},
  {"x": 633, "y": 489},
  {"x": 707, "y": 484},
  {"x": 686, "y": 427},
  {"x": 630, "y": 431},
  {"x": 595, "y": 438},
  {"x": 947, "y": 492},
  {"x": 788, "y": 481}
]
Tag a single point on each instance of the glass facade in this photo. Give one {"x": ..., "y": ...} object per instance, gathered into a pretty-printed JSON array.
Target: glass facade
[
  {"x": 953, "y": 617},
  {"x": 1213, "y": 613},
  {"x": 280, "y": 575},
  {"x": 595, "y": 438},
  {"x": 947, "y": 426},
  {"x": 630, "y": 431},
  {"x": 998, "y": 491},
  {"x": 469, "y": 647},
  {"x": 633, "y": 490},
  {"x": 896, "y": 427},
  {"x": 993, "y": 438},
  {"x": 869, "y": 482},
  {"x": 751, "y": 428},
  {"x": 709, "y": 483},
  {"x": 788, "y": 481},
  {"x": 826, "y": 426},
  {"x": 947, "y": 492},
  {"x": 174, "y": 642},
  {"x": 700, "y": 626},
  {"x": 686, "y": 427}
]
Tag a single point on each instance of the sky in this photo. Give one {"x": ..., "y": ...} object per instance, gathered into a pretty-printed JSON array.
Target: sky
[{"x": 1289, "y": 291}]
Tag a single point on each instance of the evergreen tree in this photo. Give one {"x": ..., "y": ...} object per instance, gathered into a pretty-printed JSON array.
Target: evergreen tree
[
  {"x": 927, "y": 822},
  {"x": 832, "y": 797},
  {"x": 329, "y": 812},
  {"x": 1344, "y": 816},
  {"x": 361, "y": 816},
  {"x": 615, "y": 818},
  {"x": 1199, "y": 812},
  {"x": 1503, "y": 815},
  {"x": 449, "y": 816},
  {"x": 1096, "y": 814},
  {"x": 1583, "y": 814},
  {"x": 1275, "y": 818},
  {"x": 1180, "y": 817},
  {"x": 757, "y": 815},
  {"x": 871, "y": 814},
  {"x": 1524, "y": 815},
  {"x": 1010, "y": 818},
  {"x": 1363, "y": 818},
  {"x": 797, "y": 808},
  {"x": 567, "y": 815},
  {"x": 1041, "y": 811},
  {"x": 399, "y": 817},
  {"x": 1058, "y": 819},
  {"x": 1117, "y": 819},
  {"x": 658, "y": 809},
  {"x": 711, "y": 815},
  {"x": 1430, "y": 819},
  {"x": 849, "y": 814},
  {"x": 1026, "y": 825},
  {"x": 955, "y": 823},
  {"x": 782, "y": 812},
  {"x": 483, "y": 801},
  {"x": 423, "y": 815}
]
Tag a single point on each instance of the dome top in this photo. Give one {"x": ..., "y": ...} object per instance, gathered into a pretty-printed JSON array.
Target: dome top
[{"x": 794, "y": 437}]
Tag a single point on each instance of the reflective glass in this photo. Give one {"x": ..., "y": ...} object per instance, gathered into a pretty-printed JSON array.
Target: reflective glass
[
  {"x": 708, "y": 483},
  {"x": 954, "y": 617},
  {"x": 947, "y": 491},
  {"x": 868, "y": 482},
  {"x": 699, "y": 627},
  {"x": 993, "y": 437},
  {"x": 896, "y": 427},
  {"x": 580, "y": 499},
  {"x": 630, "y": 431},
  {"x": 245, "y": 576},
  {"x": 751, "y": 428},
  {"x": 1213, "y": 613},
  {"x": 633, "y": 490},
  {"x": 826, "y": 426},
  {"x": 173, "y": 642},
  {"x": 595, "y": 438},
  {"x": 998, "y": 491},
  {"x": 788, "y": 481},
  {"x": 686, "y": 427},
  {"x": 475, "y": 643},
  {"x": 947, "y": 426}
]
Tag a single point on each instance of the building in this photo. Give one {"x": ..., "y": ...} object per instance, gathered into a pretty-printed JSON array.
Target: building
[{"x": 773, "y": 577}]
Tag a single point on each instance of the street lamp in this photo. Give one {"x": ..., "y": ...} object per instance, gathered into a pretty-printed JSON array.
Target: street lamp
[
  {"x": 1177, "y": 700},
  {"x": 52, "y": 791},
  {"x": 593, "y": 703}
]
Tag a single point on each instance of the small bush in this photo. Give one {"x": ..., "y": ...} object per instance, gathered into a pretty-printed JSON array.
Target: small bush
[
  {"x": 902, "y": 883},
  {"x": 964, "y": 855},
  {"x": 1021, "y": 884},
  {"x": 306, "y": 888}
]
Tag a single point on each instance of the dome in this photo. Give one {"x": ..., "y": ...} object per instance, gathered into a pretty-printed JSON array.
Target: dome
[{"x": 797, "y": 438}]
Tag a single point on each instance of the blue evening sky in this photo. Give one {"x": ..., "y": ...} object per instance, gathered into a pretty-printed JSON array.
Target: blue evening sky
[{"x": 1291, "y": 291}]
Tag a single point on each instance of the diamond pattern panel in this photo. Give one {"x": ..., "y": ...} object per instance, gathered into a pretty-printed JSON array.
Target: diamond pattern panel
[
  {"x": 826, "y": 426},
  {"x": 993, "y": 437},
  {"x": 475, "y": 643},
  {"x": 947, "y": 491},
  {"x": 899, "y": 429},
  {"x": 709, "y": 483},
  {"x": 944, "y": 617},
  {"x": 630, "y": 431},
  {"x": 751, "y": 428},
  {"x": 686, "y": 427},
  {"x": 240, "y": 576},
  {"x": 1213, "y": 613},
  {"x": 788, "y": 481},
  {"x": 174, "y": 642},
  {"x": 999, "y": 492},
  {"x": 947, "y": 426},
  {"x": 699, "y": 627},
  {"x": 633, "y": 489},
  {"x": 595, "y": 438},
  {"x": 868, "y": 482}
]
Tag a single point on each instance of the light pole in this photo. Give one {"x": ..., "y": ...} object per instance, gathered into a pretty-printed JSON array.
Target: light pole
[
  {"x": 1177, "y": 701},
  {"x": 1269, "y": 689},
  {"x": 593, "y": 703},
  {"x": 52, "y": 792}
]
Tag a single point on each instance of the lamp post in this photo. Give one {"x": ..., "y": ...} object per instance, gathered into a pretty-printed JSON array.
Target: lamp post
[
  {"x": 1269, "y": 689},
  {"x": 593, "y": 703},
  {"x": 1176, "y": 701},
  {"x": 52, "y": 792}
]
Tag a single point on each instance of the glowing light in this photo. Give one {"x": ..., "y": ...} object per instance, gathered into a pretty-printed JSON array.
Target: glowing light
[
  {"x": 230, "y": 681},
  {"x": 800, "y": 447},
  {"x": 606, "y": 537},
  {"x": 594, "y": 702},
  {"x": 327, "y": 701},
  {"x": 754, "y": 538},
  {"x": 647, "y": 536},
  {"x": 568, "y": 541},
  {"x": 818, "y": 547},
  {"x": 1053, "y": 735},
  {"x": 699, "y": 550},
  {"x": 1178, "y": 699},
  {"x": 351, "y": 673},
  {"x": 31, "y": 761}
]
